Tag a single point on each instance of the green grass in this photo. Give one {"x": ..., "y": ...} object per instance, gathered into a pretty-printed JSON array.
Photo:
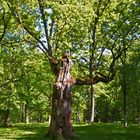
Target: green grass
[
  {"x": 108, "y": 132},
  {"x": 24, "y": 132},
  {"x": 83, "y": 132}
]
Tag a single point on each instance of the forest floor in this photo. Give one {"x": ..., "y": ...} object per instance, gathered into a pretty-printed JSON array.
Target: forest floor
[{"x": 99, "y": 131}]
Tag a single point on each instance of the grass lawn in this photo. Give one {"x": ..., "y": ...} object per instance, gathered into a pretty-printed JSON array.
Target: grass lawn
[
  {"x": 24, "y": 132},
  {"x": 83, "y": 132}
]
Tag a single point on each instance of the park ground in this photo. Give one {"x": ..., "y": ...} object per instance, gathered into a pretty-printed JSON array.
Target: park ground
[{"x": 99, "y": 131}]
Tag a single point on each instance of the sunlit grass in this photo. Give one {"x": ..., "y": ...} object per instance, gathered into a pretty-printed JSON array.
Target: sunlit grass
[
  {"x": 108, "y": 132},
  {"x": 24, "y": 131},
  {"x": 99, "y": 131}
]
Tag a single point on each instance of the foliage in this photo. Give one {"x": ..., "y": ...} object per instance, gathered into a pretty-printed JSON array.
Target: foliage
[{"x": 26, "y": 81}]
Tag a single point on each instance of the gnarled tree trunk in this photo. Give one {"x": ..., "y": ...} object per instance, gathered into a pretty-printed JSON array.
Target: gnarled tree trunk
[{"x": 61, "y": 124}]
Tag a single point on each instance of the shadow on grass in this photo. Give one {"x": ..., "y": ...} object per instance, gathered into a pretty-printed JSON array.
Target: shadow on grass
[
  {"x": 107, "y": 132},
  {"x": 83, "y": 132},
  {"x": 33, "y": 132}
]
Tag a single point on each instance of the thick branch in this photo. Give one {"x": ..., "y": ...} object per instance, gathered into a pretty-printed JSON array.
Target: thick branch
[
  {"x": 45, "y": 26},
  {"x": 17, "y": 17},
  {"x": 100, "y": 56},
  {"x": 99, "y": 76},
  {"x": 5, "y": 24},
  {"x": 93, "y": 45},
  {"x": 94, "y": 80},
  {"x": 51, "y": 28}
]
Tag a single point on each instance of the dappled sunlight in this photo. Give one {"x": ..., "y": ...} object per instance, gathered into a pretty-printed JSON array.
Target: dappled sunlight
[
  {"x": 96, "y": 131},
  {"x": 24, "y": 131},
  {"x": 107, "y": 132}
]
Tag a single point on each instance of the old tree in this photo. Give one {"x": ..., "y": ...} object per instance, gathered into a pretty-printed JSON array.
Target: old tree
[{"x": 93, "y": 33}]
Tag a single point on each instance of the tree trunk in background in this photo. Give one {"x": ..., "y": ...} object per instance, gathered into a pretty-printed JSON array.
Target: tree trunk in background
[
  {"x": 22, "y": 113},
  {"x": 6, "y": 118},
  {"x": 92, "y": 105},
  {"x": 124, "y": 90},
  {"x": 124, "y": 103},
  {"x": 26, "y": 113},
  {"x": 77, "y": 120},
  {"x": 61, "y": 124},
  {"x": 106, "y": 119}
]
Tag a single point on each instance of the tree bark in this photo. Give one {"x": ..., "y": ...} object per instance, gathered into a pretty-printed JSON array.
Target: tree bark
[
  {"x": 124, "y": 86},
  {"x": 26, "y": 113},
  {"x": 124, "y": 103},
  {"x": 61, "y": 124},
  {"x": 92, "y": 105},
  {"x": 77, "y": 118},
  {"x": 22, "y": 113}
]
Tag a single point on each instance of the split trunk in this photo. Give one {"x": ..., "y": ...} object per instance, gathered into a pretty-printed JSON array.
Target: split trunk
[{"x": 61, "y": 123}]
